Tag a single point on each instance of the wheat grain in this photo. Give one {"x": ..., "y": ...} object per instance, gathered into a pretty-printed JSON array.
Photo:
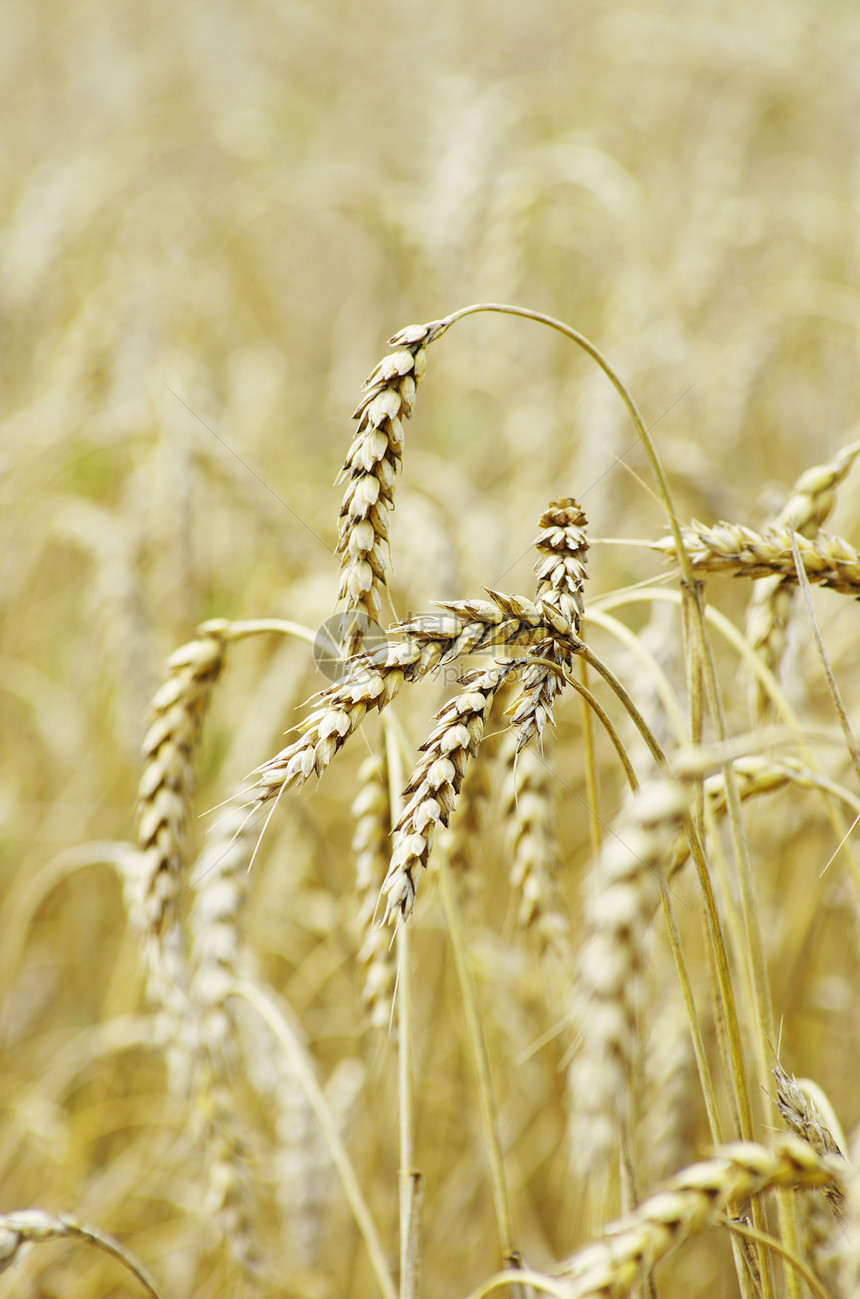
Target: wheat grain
[
  {"x": 691, "y": 1202},
  {"x": 560, "y": 570},
  {"x": 622, "y": 893},
  {"x": 370, "y": 471},
  {"x": 432, "y": 789},
  {"x": 732, "y": 548},
  {"x": 372, "y": 680}
]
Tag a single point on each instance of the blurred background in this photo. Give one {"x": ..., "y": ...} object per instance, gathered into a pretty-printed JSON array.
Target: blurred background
[{"x": 213, "y": 217}]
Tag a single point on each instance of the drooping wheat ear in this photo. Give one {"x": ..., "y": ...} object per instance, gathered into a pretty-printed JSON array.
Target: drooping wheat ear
[
  {"x": 529, "y": 811},
  {"x": 432, "y": 789},
  {"x": 804, "y": 1119},
  {"x": 166, "y": 786},
  {"x": 20, "y": 1230},
  {"x": 731, "y": 548},
  {"x": 621, "y": 898},
  {"x": 806, "y": 510},
  {"x": 371, "y": 843},
  {"x": 691, "y": 1202},
  {"x": 370, "y": 472},
  {"x": 560, "y": 569},
  {"x": 372, "y": 680}
]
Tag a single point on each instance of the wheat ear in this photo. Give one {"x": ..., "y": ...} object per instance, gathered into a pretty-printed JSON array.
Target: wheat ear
[
  {"x": 732, "y": 548},
  {"x": 560, "y": 569},
  {"x": 622, "y": 895},
  {"x": 529, "y": 813},
  {"x": 805, "y": 1121},
  {"x": 372, "y": 680},
  {"x": 691, "y": 1201},
  {"x": 431, "y": 792},
  {"x": 370, "y": 472},
  {"x": 806, "y": 511},
  {"x": 166, "y": 786},
  {"x": 371, "y": 843}
]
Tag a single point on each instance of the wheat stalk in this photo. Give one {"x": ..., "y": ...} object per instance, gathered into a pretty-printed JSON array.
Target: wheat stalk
[
  {"x": 732, "y": 548},
  {"x": 691, "y": 1201}
]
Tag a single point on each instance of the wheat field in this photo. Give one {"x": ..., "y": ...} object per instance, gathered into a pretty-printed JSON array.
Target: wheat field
[{"x": 462, "y": 897}]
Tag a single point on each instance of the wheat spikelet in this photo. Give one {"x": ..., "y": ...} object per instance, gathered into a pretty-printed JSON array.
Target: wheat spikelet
[
  {"x": 372, "y": 680},
  {"x": 26, "y": 1227},
  {"x": 690, "y": 1203},
  {"x": 732, "y": 548},
  {"x": 371, "y": 845},
  {"x": 370, "y": 472},
  {"x": 432, "y": 789},
  {"x": 560, "y": 570},
  {"x": 529, "y": 812},
  {"x": 622, "y": 894},
  {"x": 806, "y": 510}
]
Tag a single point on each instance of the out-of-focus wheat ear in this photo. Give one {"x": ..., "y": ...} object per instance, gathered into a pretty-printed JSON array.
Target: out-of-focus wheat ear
[
  {"x": 219, "y": 883},
  {"x": 24, "y": 1228},
  {"x": 849, "y": 1271},
  {"x": 561, "y": 573},
  {"x": 622, "y": 893},
  {"x": 692, "y": 1201},
  {"x": 732, "y": 548},
  {"x": 371, "y": 843},
  {"x": 431, "y": 792},
  {"x": 153, "y": 882},
  {"x": 528, "y": 807},
  {"x": 166, "y": 787},
  {"x": 803, "y": 1117},
  {"x": 667, "y": 1116},
  {"x": 229, "y": 1199},
  {"x": 370, "y": 472},
  {"x": 770, "y": 607}
]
